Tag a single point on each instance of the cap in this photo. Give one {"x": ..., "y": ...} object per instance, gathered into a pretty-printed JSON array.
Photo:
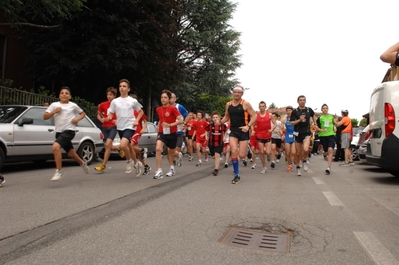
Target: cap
[{"x": 344, "y": 111}]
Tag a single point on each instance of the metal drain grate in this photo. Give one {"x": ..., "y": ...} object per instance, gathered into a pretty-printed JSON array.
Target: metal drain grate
[{"x": 244, "y": 238}]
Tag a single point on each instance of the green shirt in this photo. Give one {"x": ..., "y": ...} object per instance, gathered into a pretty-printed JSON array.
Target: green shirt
[{"x": 326, "y": 122}]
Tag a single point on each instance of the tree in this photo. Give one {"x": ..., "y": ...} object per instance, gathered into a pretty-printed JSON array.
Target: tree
[
  {"x": 273, "y": 106},
  {"x": 354, "y": 122},
  {"x": 39, "y": 13}
]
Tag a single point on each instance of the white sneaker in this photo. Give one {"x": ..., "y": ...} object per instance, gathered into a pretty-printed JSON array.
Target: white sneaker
[
  {"x": 145, "y": 153},
  {"x": 328, "y": 171},
  {"x": 85, "y": 167},
  {"x": 128, "y": 167},
  {"x": 253, "y": 166},
  {"x": 298, "y": 171},
  {"x": 199, "y": 164},
  {"x": 305, "y": 167},
  {"x": 180, "y": 159},
  {"x": 158, "y": 174},
  {"x": 190, "y": 158},
  {"x": 139, "y": 166},
  {"x": 57, "y": 175},
  {"x": 171, "y": 173},
  {"x": 263, "y": 170}
]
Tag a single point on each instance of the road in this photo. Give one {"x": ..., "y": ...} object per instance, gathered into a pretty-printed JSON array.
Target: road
[{"x": 348, "y": 217}]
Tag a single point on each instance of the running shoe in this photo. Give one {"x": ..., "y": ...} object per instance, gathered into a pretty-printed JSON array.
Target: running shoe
[
  {"x": 277, "y": 160},
  {"x": 100, "y": 168},
  {"x": 206, "y": 159},
  {"x": 2, "y": 180},
  {"x": 305, "y": 167},
  {"x": 190, "y": 158},
  {"x": 128, "y": 167},
  {"x": 278, "y": 156},
  {"x": 264, "y": 170},
  {"x": 226, "y": 165},
  {"x": 147, "y": 170},
  {"x": 99, "y": 159},
  {"x": 245, "y": 162},
  {"x": 180, "y": 159},
  {"x": 57, "y": 175},
  {"x": 289, "y": 168},
  {"x": 171, "y": 173},
  {"x": 325, "y": 158},
  {"x": 121, "y": 153},
  {"x": 253, "y": 166},
  {"x": 328, "y": 171},
  {"x": 298, "y": 171},
  {"x": 273, "y": 165},
  {"x": 139, "y": 168},
  {"x": 198, "y": 164},
  {"x": 351, "y": 163},
  {"x": 85, "y": 167},
  {"x": 236, "y": 179},
  {"x": 215, "y": 172},
  {"x": 144, "y": 153},
  {"x": 344, "y": 164},
  {"x": 158, "y": 174}
]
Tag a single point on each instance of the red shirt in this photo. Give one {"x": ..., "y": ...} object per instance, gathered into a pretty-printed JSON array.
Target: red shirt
[
  {"x": 216, "y": 135},
  {"x": 263, "y": 126},
  {"x": 200, "y": 126},
  {"x": 103, "y": 110},
  {"x": 167, "y": 114},
  {"x": 190, "y": 127},
  {"x": 140, "y": 125}
]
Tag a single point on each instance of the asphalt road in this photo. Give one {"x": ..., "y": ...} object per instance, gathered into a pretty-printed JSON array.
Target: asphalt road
[{"x": 348, "y": 217}]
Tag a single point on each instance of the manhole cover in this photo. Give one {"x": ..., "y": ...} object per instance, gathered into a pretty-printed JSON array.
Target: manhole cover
[{"x": 246, "y": 238}]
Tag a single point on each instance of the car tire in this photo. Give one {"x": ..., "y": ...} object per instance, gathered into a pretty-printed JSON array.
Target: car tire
[
  {"x": 86, "y": 152},
  {"x": 2, "y": 158},
  {"x": 355, "y": 155}
]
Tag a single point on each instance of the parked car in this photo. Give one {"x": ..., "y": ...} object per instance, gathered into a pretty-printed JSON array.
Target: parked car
[
  {"x": 362, "y": 151},
  {"x": 26, "y": 136},
  {"x": 147, "y": 140},
  {"x": 383, "y": 148}
]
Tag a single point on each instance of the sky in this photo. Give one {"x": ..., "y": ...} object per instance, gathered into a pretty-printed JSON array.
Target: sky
[{"x": 328, "y": 51}]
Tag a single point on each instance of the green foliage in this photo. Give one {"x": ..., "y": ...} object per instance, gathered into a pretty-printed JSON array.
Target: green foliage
[
  {"x": 363, "y": 122},
  {"x": 354, "y": 122},
  {"x": 272, "y": 106},
  {"x": 210, "y": 103},
  {"x": 28, "y": 12},
  {"x": 88, "y": 107}
]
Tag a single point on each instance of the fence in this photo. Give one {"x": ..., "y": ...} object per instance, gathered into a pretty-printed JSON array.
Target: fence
[{"x": 10, "y": 96}]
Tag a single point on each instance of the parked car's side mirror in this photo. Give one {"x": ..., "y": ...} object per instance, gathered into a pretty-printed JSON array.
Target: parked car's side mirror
[{"x": 25, "y": 121}]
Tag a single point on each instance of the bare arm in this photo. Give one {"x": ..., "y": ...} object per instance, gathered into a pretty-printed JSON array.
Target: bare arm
[
  {"x": 79, "y": 118},
  {"x": 226, "y": 116},
  {"x": 389, "y": 56}
]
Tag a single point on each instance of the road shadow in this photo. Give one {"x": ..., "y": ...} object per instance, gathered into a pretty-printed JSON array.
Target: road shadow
[{"x": 384, "y": 178}]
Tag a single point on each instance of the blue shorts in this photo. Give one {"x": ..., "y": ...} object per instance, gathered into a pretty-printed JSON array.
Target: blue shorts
[
  {"x": 109, "y": 132},
  {"x": 126, "y": 133}
]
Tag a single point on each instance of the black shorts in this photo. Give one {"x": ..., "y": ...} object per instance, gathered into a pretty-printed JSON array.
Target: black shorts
[
  {"x": 277, "y": 142},
  {"x": 264, "y": 141},
  {"x": 301, "y": 136},
  {"x": 215, "y": 149},
  {"x": 170, "y": 140},
  {"x": 190, "y": 137},
  {"x": 179, "y": 141},
  {"x": 240, "y": 135},
  {"x": 127, "y": 133},
  {"x": 327, "y": 142},
  {"x": 109, "y": 132},
  {"x": 64, "y": 139}
]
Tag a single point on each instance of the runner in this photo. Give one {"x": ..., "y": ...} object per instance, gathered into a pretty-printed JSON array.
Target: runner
[{"x": 289, "y": 141}]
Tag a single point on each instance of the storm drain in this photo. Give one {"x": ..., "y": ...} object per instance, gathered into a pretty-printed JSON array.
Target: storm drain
[{"x": 244, "y": 238}]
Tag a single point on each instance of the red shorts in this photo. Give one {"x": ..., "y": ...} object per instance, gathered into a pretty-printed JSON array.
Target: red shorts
[
  {"x": 226, "y": 144},
  {"x": 202, "y": 141},
  {"x": 135, "y": 138},
  {"x": 254, "y": 142}
]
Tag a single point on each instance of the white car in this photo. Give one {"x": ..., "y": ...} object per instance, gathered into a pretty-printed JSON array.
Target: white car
[{"x": 26, "y": 136}]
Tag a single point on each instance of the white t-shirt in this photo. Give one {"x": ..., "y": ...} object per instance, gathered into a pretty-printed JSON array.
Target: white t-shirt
[
  {"x": 63, "y": 119},
  {"x": 124, "y": 110},
  {"x": 276, "y": 133}
]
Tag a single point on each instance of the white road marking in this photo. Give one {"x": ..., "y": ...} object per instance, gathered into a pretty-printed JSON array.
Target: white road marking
[
  {"x": 332, "y": 198},
  {"x": 318, "y": 181},
  {"x": 375, "y": 249}
]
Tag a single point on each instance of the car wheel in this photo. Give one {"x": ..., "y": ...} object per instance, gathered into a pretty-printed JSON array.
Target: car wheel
[
  {"x": 86, "y": 152},
  {"x": 2, "y": 158},
  {"x": 355, "y": 154}
]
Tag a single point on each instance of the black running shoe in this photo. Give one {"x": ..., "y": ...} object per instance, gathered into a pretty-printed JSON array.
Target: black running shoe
[
  {"x": 236, "y": 179},
  {"x": 273, "y": 165},
  {"x": 279, "y": 156},
  {"x": 147, "y": 170},
  {"x": 245, "y": 162},
  {"x": 215, "y": 172}
]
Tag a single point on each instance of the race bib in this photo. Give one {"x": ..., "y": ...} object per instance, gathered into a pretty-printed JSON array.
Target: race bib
[
  {"x": 296, "y": 133},
  {"x": 166, "y": 130},
  {"x": 326, "y": 124}
]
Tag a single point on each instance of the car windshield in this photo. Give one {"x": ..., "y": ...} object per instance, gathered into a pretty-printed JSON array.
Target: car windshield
[{"x": 10, "y": 113}]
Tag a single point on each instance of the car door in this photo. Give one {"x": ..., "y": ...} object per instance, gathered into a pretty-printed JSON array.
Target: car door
[
  {"x": 36, "y": 138},
  {"x": 149, "y": 138}
]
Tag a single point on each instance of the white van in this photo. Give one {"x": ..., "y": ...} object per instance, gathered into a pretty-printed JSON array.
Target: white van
[{"x": 383, "y": 149}]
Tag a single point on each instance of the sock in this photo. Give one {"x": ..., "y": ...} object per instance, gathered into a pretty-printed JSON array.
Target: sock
[
  {"x": 172, "y": 168},
  {"x": 235, "y": 165}
]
